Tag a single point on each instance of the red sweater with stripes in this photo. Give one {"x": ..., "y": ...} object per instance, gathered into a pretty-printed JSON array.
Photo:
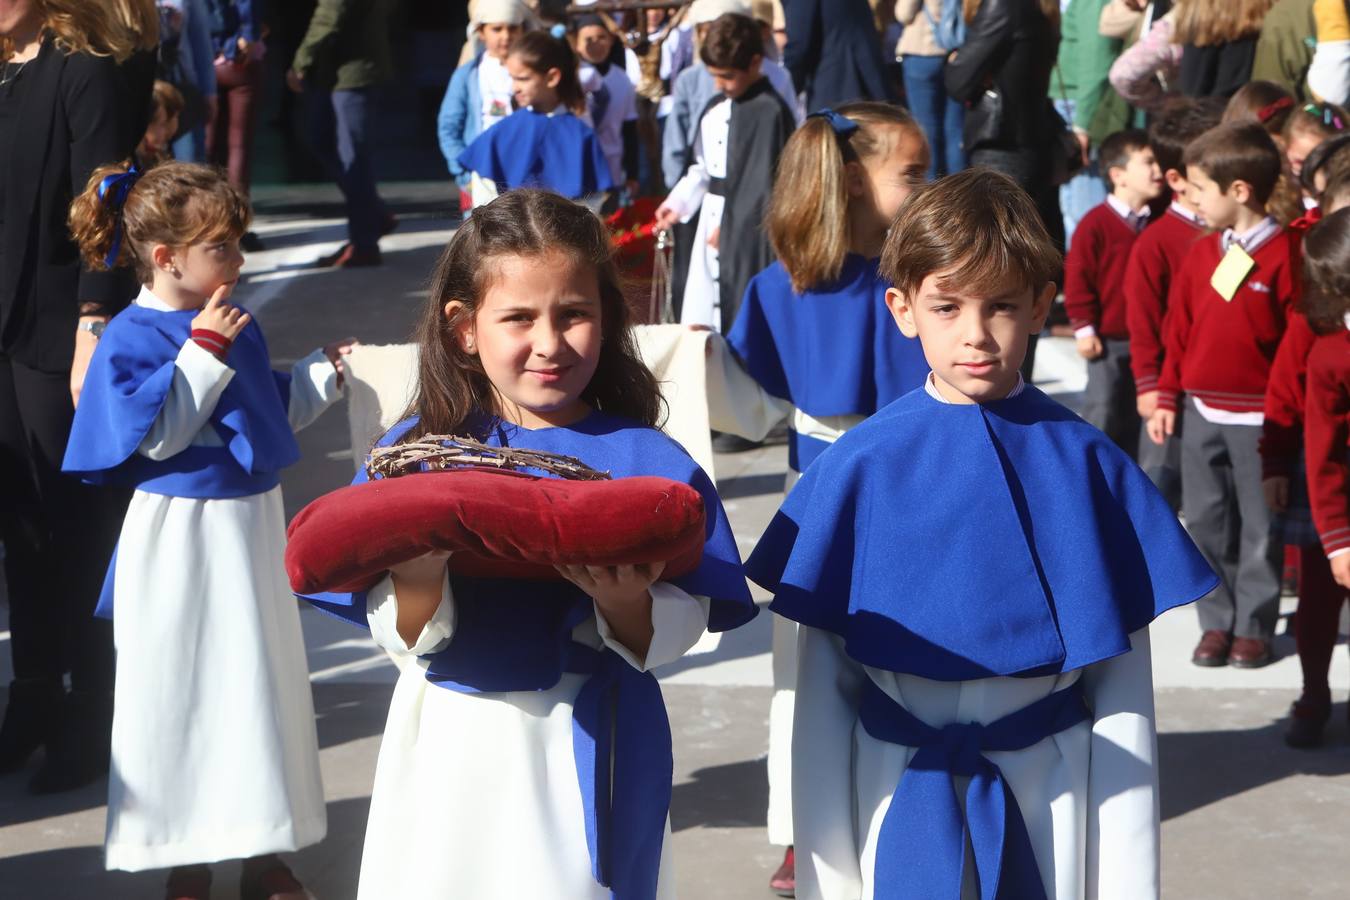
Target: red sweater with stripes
[
  {"x": 1094, "y": 272},
  {"x": 1326, "y": 430},
  {"x": 1220, "y": 351},
  {"x": 1153, "y": 263}
]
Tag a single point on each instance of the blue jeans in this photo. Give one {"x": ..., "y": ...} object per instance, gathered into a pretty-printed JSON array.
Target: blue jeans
[
  {"x": 941, "y": 117},
  {"x": 1081, "y": 192},
  {"x": 340, "y": 125}
]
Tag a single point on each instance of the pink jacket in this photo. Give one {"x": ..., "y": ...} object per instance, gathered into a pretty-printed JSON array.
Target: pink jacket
[{"x": 1144, "y": 74}]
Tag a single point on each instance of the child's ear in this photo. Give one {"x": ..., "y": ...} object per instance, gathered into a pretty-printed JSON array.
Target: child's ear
[
  {"x": 855, "y": 179},
  {"x": 902, "y": 310},
  {"x": 553, "y": 77},
  {"x": 1040, "y": 306},
  {"x": 1175, "y": 180},
  {"x": 463, "y": 330},
  {"x": 1240, "y": 191},
  {"x": 162, "y": 258}
]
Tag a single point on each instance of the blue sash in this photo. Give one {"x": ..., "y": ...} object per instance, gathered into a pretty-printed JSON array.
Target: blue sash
[{"x": 922, "y": 844}]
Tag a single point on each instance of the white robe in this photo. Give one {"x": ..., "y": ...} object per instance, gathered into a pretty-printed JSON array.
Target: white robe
[
  {"x": 1089, "y": 795},
  {"x": 702, "y": 303},
  {"x": 476, "y": 795},
  {"x": 214, "y": 750}
]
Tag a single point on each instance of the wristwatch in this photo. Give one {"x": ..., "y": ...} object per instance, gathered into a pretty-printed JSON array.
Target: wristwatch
[{"x": 93, "y": 326}]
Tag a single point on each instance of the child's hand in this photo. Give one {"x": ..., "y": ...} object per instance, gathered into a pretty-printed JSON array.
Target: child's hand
[
  {"x": 1161, "y": 425},
  {"x": 219, "y": 316},
  {"x": 715, "y": 238},
  {"x": 335, "y": 351},
  {"x": 1146, "y": 404},
  {"x": 1340, "y": 570},
  {"x": 611, "y": 586},
  {"x": 666, "y": 217},
  {"x": 1090, "y": 346},
  {"x": 621, "y": 593},
  {"x": 1276, "y": 490}
]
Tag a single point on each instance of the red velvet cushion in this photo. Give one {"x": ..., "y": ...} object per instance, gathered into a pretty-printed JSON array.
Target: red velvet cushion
[{"x": 496, "y": 523}]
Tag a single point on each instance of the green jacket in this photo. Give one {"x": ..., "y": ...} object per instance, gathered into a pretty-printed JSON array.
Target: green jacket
[
  {"x": 1285, "y": 49},
  {"x": 1085, "y": 59},
  {"x": 347, "y": 45}
]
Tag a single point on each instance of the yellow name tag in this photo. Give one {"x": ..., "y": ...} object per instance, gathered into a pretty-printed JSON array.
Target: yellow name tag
[{"x": 1233, "y": 268}]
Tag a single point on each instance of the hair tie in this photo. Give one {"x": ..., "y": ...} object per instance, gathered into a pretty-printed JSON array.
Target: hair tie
[
  {"x": 842, "y": 125},
  {"x": 558, "y": 31},
  {"x": 1267, "y": 112},
  {"x": 112, "y": 192}
]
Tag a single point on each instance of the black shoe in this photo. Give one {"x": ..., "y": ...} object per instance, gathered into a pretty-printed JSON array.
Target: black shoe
[
  {"x": 251, "y": 243},
  {"x": 81, "y": 746},
  {"x": 30, "y": 717},
  {"x": 723, "y": 442}
]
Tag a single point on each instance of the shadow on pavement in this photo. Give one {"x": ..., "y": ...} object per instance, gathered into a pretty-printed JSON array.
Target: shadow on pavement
[{"x": 735, "y": 795}]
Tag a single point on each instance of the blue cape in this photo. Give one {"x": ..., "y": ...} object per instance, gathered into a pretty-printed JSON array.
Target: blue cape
[
  {"x": 516, "y": 636},
  {"x": 529, "y": 149},
  {"x": 832, "y": 351},
  {"x": 128, "y": 381},
  {"x": 963, "y": 542}
]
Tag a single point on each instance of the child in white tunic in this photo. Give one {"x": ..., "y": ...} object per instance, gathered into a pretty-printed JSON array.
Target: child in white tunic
[
  {"x": 214, "y": 753},
  {"x": 515, "y": 696},
  {"x": 974, "y": 569}
]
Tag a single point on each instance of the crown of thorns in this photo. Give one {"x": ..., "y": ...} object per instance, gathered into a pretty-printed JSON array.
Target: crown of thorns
[{"x": 436, "y": 452}]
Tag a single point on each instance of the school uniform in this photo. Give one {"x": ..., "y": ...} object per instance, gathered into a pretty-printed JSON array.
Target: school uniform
[
  {"x": 556, "y": 151},
  {"x": 527, "y": 752},
  {"x": 990, "y": 685},
  {"x": 1094, "y": 297},
  {"x": 214, "y": 751},
  {"x": 729, "y": 191},
  {"x": 1154, "y": 261},
  {"x": 1220, "y": 353}
]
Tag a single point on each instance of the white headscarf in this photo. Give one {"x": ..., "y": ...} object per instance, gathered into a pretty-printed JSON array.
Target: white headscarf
[
  {"x": 702, "y": 12},
  {"x": 507, "y": 12}
]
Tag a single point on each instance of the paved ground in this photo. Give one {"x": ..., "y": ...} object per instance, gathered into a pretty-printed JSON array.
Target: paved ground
[{"x": 1243, "y": 817}]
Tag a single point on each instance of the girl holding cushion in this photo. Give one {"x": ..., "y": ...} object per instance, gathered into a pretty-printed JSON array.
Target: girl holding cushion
[{"x": 527, "y": 751}]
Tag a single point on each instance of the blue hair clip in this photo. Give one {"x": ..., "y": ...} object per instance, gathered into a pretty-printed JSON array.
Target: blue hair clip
[
  {"x": 842, "y": 125},
  {"x": 112, "y": 191}
]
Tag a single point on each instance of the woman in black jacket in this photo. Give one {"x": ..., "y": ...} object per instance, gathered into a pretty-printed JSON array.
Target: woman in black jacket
[
  {"x": 64, "y": 109},
  {"x": 1002, "y": 74}
]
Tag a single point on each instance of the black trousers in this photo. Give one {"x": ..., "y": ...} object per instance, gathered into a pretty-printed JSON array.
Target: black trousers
[{"x": 59, "y": 535}]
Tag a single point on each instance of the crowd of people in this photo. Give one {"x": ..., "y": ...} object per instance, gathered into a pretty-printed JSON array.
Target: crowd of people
[{"x": 878, "y": 244}]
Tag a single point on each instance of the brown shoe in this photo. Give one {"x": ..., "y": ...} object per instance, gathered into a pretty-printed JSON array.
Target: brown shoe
[
  {"x": 1213, "y": 649},
  {"x": 349, "y": 257},
  {"x": 1249, "y": 653}
]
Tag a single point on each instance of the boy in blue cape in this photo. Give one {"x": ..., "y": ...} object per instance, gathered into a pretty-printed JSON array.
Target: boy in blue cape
[{"x": 975, "y": 569}]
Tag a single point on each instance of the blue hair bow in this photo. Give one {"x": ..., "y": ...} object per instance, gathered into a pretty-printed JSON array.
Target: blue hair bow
[
  {"x": 112, "y": 192},
  {"x": 842, "y": 125}
]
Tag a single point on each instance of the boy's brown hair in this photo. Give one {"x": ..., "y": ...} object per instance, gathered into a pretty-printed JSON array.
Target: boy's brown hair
[
  {"x": 732, "y": 42},
  {"x": 1338, "y": 188},
  {"x": 979, "y": 226},
  {"x": 1238, "y": 152},
  {"x": 1116, "y": 150},
  {"x": 167, "y": 98},
  {"x": 1182, "y": 120}
]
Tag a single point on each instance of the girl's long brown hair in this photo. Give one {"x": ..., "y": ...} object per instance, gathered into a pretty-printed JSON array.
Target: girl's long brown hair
[
  {"x": 807, "y": 221},
  {"x": 1326, "y": 273},
  {"x": 84, "y": 26},
  {"x": 453, "y": 392},
  {"x": 1208, "y": 23}
]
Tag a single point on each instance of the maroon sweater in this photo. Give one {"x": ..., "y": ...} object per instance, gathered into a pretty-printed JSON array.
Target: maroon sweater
[
  {"x": 1094, "y": 272},
  {"x": 1326, "y": 432},
  {"x": 1154, "y": 261},
  {"x": 1218, "y": 350}
]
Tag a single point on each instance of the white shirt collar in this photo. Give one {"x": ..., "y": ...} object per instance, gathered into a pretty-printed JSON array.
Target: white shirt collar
[
  {"x": 1252, "y": 238},
  {"x": 1188, "y": 215},
  {"x": 1136, "y": 219},
  {"x": 930, "y": 385},
  {"x": 147, "y": 299}
]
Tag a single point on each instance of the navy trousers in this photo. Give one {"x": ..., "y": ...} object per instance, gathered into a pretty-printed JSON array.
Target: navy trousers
[{"x": 340, "y": 125}]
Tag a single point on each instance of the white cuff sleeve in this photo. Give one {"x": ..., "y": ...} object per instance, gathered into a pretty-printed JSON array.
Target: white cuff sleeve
[
  {"x": 678, "y": 621},
  {"x": 687, "y": 195},
  {"x": 382, "y": 614},
  {"x": 198, "y": 381},
  {"x": 1085, "y": 331},
  {"x": 1335, "y": 553},
  {"x": 314, "y": 388}
]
